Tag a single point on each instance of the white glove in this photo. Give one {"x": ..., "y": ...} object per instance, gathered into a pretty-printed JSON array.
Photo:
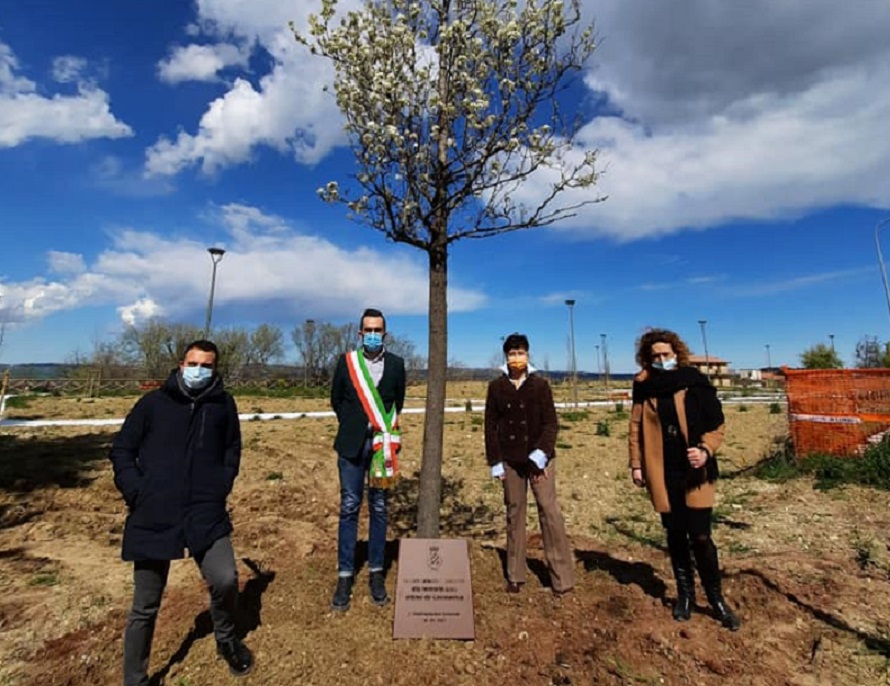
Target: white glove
[
  {"x": 539, "y": 458},
  {"x": 497, "y": 470}
]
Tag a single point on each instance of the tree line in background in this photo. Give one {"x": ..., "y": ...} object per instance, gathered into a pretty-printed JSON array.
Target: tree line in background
[
  {"x": 869, "y": 354},
  {"x": 153, "y": 349}
]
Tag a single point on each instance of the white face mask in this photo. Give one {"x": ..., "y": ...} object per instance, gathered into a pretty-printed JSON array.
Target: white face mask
[{"x": 666, "y": 365}]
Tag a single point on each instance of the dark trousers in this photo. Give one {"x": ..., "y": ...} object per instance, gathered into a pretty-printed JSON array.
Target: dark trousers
[
  {"x": 217, "y": 565},
  {"x": 353, "y": 475}
]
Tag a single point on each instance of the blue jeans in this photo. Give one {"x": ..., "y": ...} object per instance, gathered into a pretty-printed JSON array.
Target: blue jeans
[{"x": 353, "y": 475}]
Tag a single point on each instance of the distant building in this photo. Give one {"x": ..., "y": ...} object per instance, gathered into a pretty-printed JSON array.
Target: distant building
[{"x": 713, "y": 367}]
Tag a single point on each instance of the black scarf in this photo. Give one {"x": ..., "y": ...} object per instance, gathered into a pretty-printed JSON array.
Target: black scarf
[{"x": 703, "y": 410}]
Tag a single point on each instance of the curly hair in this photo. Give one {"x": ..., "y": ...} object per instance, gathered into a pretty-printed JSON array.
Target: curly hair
[{"x": 652, "y": 336}]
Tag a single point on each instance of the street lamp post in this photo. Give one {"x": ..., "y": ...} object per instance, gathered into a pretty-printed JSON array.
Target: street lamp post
[
  {"x": 881, "y": 224},
  {"x": 216, "y": 254},
  {"x": 571, "y": 306},
  {"x": 605, "y": 359},
  {"x": 704, "y": 339},
  {"x": 599, "y": 367},
  {"x": 769, "y": 364}
]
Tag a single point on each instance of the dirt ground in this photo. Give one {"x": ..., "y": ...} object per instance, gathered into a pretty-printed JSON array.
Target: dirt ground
[{"x": 807, "y": 570}]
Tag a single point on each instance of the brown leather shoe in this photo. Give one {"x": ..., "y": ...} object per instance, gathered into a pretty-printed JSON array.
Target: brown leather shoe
[{"x": 513, "y": 587}]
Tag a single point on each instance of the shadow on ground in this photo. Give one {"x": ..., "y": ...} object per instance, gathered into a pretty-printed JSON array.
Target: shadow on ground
[
  {"x": 458, "y": 519},
  {"x": 250, "y": 605},
  {"x": 28, "y": 463}
]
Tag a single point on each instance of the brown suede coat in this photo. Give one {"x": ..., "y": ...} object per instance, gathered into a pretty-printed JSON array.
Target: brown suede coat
[{"x": 645, "y": 446}]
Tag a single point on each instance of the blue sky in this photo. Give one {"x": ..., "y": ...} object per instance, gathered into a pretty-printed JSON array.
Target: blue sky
[{"x": 745, "y": 148}]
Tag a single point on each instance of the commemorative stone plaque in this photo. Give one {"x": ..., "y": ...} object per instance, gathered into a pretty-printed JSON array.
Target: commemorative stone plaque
[{"x": 434, "y": 594}]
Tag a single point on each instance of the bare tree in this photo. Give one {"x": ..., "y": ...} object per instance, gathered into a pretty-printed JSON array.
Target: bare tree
[
  {"x": 156, "y": 346},
  {"x": 266, "y": 345},
  {"x": 451, "y": 109},
  {"x": 234, "y": 349},
  {"x": 305, "y": 338}
]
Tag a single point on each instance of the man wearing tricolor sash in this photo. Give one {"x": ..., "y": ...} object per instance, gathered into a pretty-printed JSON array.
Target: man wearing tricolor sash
[{"x": 367, "y": 394}]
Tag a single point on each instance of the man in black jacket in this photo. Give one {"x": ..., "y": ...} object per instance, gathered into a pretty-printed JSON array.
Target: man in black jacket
[
  {"x": 368, "y": 385},
  {"x": 175, "y": 461}
]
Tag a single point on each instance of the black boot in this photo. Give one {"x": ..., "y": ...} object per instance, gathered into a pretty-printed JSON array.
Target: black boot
[
  {"x": 681, "y": 561},
  {"x": 709, "y": 570},
  {"x": 377, "y": 586},
  {"x": 342, "y": 594},
  {"x": 236, "y": 655}
]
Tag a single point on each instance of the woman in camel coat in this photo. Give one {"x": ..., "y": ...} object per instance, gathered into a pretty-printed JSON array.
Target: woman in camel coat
[{"x": 676, "y": 427}]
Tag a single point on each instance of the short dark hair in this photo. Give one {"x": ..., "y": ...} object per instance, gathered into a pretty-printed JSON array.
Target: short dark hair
[
  {"x": 204, "y": 346},
  {"x": 514, "y": 341},
  {"x": 371, "y": 312}
]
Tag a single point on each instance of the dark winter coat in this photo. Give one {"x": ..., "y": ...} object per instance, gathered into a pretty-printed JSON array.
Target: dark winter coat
[
  {"x": 175, "y": 462},
  {"x": 353, "y": 429},
  {"x": 519, "y": 421}
]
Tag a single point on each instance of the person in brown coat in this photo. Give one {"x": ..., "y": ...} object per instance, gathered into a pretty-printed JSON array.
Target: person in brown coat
[
  {"x": 676, "y": 427},
  {"x": 520, "y": 446}
]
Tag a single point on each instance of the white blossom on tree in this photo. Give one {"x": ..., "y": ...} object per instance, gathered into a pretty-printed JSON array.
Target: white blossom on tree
[{"x": 451, "y": 106}]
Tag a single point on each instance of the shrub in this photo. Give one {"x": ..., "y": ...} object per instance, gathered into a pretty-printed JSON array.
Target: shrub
[
  {"x": 18, "y": 402},
  {"x": 743, "y": 408},
  {"x": 775, "y": 408},
  {"x": 871, "y": 469},
  {"x": 602, "y": 428},
  {"x": 575, "y": 415}
]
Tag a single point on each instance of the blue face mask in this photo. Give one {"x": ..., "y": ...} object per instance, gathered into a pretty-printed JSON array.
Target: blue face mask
[
  {"x": 196, "y": 378},
  {"x": 665, "y": 366},
  {"x": 372, "y": 341}
]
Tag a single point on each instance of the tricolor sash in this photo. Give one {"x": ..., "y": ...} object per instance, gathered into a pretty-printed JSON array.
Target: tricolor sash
[{"x": 387, "y": 440}]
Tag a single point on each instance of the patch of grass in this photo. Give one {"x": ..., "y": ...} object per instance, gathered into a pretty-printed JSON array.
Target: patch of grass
[
  {"x": 603, "y": 428},
  {"x": 620, "y": 412},
  {"x": 775, "y": 408},
  {"x": 871, "y": 469},
  {"x": 18, "y": 402},
  {"x": 575, "y": 415},
  {"x": 564, "y": 446},
  {"x": 780, "y": 466},
  {"x": 44, "y": 579},
  {"x": 737, "y": 548},
  {"x": 476, "y": 420},
  {"x": 274, "y": 476},
  {"x": 743, "y": 408}
]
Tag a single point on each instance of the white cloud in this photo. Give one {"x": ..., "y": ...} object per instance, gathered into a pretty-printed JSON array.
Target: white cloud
[
  {"x": 269, "y": 271},
  {"x": 140, "y": 311},
  {"x": 9, "y": 82},
  {"x": 65, "y": 262},
  {"x": 723, "y": 117},
  {"x": 287, "y": 110},
  {"x": 201, "y": 62},
  {"x": 25, "y": 114},
  {"x": 68, "y": 68}
]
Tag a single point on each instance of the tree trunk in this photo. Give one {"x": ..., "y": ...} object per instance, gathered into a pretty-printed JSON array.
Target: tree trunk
[{"x": 433, "y": 426}]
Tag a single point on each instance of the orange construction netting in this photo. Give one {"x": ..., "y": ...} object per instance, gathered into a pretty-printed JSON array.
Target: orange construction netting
[{"x": 837, "y": 411}]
